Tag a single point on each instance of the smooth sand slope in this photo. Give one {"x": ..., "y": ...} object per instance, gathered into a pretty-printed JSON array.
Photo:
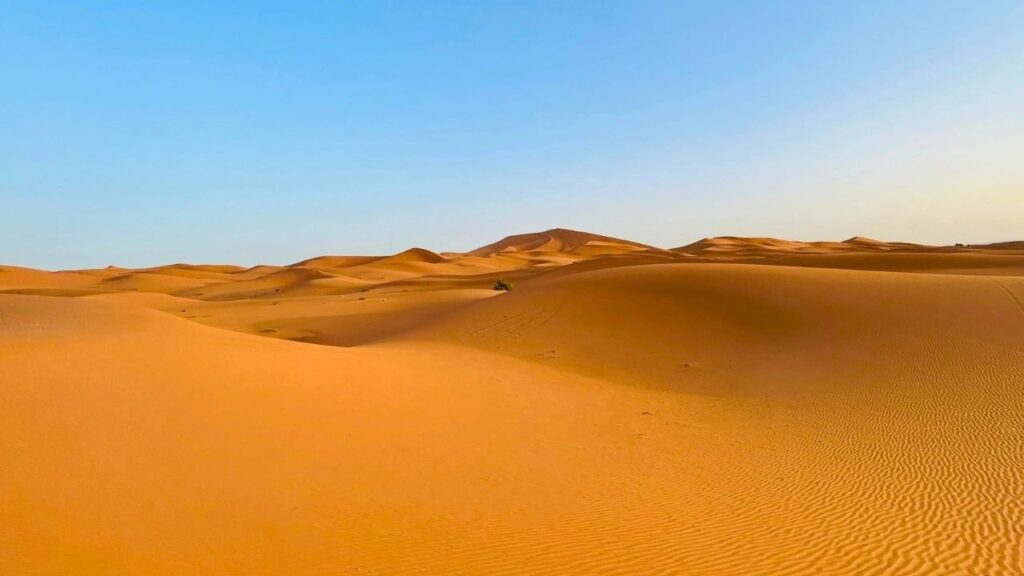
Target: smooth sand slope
[{"x": 746, "y": 406}]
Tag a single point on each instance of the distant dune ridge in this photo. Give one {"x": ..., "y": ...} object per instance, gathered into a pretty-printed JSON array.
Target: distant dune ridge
[
  {"x": 854, "y": 244},
  {"x": 731, "y": 406},
  {"x": 555, "y": 240}
]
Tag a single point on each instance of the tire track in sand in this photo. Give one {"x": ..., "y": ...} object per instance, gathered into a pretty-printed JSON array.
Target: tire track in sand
[{"x": 1016, "y": 299}]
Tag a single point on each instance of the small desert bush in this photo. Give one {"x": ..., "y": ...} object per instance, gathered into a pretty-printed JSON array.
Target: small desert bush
[{"x": 503, "y": 285}]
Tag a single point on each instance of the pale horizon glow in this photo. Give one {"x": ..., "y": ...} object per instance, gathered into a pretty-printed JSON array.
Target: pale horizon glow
[{"x": 185, "y": 132}]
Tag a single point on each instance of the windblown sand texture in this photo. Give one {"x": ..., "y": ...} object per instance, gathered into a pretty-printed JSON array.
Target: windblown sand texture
[{"x": 734, "y": 406}]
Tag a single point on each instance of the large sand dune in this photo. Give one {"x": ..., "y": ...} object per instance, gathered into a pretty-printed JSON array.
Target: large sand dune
[{"x": 735, "y": 406}]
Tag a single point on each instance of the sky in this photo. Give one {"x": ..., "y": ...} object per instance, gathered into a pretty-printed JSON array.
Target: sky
[{"x": 145, "y": 133}]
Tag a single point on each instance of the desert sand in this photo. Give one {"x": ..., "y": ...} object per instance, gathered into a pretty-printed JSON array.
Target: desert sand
[{"x": 732, "y": 406}]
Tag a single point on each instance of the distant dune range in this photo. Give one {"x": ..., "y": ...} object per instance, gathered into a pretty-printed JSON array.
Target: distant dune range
[{"x": 733, "y": 406}]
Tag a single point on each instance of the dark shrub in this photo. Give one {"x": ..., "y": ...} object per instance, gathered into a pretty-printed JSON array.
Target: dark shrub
[{"x": 503, "y": 285}]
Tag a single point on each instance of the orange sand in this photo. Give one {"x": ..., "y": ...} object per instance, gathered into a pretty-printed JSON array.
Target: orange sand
[{"x": 735, "y": 406}]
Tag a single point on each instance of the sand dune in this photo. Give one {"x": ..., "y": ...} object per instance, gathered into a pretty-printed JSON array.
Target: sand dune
[
  {"x": 704, "y": 326},
  {"x": 860, "y": 253},
  {"x": 556, "y": 240},
  {"x": 331, "y": 262},
  {"x": 726, "y": 244},
  {"x": 1019, "y": 245},
  {"x": 735, "y": 406},
  {"x": 19, "y": 278}
]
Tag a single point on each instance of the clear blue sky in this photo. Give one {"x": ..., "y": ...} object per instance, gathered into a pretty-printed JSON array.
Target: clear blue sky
[{"x": 141, "y": 133}]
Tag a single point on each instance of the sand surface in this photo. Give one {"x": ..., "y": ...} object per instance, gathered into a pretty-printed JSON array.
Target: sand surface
[{"x": 733, "y": 406}]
